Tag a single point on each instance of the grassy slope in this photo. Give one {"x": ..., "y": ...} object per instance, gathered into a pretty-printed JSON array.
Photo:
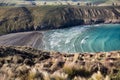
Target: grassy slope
[
  {"x": 12, "y": 19},
  {"x": 16, "y": 19},
  {"x": 37, "y": 64}
]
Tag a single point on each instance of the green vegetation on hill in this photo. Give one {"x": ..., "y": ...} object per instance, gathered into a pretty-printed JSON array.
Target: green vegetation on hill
[{"x": 16, "y": 19}]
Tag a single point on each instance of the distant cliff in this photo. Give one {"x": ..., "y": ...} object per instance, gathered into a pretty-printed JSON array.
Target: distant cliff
[{"x": 16, "y": 19}]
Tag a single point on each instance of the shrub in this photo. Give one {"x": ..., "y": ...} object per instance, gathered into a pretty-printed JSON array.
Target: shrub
[
  {"x": 75, "y": 70},
  {"x": 115, "y": 76}
]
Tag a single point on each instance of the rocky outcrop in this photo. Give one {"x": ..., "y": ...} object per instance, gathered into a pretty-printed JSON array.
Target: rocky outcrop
[
  {"x": 17, "y": 19},
  {"x": 25, "y": 63}
]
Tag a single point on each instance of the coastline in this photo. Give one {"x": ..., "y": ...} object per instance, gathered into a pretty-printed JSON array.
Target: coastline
[
  {"x": 25, "y": 63},
  {"x": 87, "y": 38}
]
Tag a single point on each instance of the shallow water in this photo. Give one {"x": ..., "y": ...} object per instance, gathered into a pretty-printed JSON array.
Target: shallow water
[{"x": 90, "y": 38}]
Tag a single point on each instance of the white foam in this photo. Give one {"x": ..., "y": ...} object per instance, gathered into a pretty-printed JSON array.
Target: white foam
[
  {"x": 63, "y": 39},
  {"x": 83, "y": 41}
]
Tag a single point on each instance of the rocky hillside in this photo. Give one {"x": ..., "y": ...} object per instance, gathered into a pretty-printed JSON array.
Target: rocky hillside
[
  {"x": 24, "y": 63},
  {"x": 16, "y": 19}
]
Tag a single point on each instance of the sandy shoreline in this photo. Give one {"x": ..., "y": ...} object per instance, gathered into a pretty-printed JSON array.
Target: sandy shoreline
[{"x": 30, "y": 39}]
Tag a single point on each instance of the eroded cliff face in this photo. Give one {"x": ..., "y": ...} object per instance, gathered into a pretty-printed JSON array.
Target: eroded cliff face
[
  {"x": 72, "y": 16},
  {"x": 16, "y": 19}
]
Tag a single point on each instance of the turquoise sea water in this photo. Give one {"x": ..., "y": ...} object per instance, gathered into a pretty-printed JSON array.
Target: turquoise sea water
[{"x": 89, "y": 38}]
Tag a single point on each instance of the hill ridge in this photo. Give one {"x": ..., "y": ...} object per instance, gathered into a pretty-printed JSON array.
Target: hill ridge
[{"x": 19, "y": 19}]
